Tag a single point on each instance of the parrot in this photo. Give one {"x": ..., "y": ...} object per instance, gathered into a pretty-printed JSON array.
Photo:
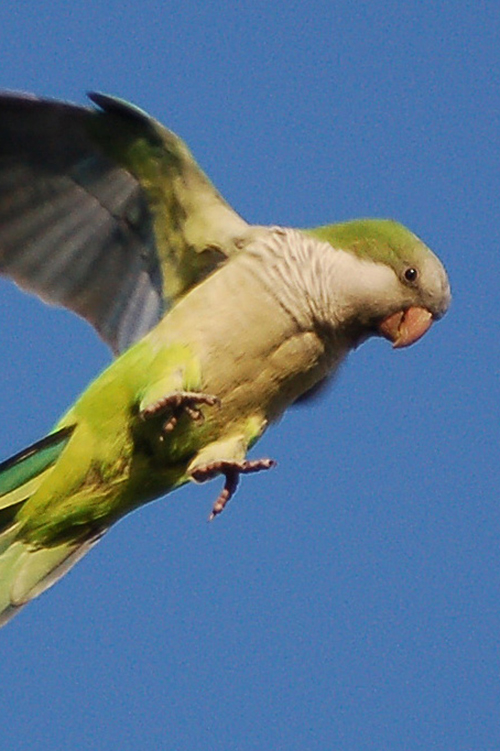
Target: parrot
[{"x": 217, "y": 325}]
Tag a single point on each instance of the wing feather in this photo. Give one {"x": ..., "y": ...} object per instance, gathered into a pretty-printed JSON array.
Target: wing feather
[{"x": 105, "y": 212}]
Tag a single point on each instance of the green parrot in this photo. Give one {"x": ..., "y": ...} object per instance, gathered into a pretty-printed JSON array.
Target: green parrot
[{"x": 218, "y": 325}]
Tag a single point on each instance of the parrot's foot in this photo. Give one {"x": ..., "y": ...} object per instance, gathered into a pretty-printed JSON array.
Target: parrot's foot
[
  {"x": 232, "y": 471},
  {"x": 179, "y": 403}
]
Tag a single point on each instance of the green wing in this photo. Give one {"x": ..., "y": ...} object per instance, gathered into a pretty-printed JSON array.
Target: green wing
[
  {"x": 105, "y": 212},
  {"x": 30, "y": 463}
]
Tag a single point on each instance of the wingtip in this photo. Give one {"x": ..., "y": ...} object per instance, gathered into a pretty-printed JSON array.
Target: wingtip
[{"x": 116, "y": 106}]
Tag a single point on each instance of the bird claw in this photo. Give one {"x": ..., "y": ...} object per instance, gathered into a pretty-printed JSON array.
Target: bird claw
[
  {"x": 179, "y": 403},
  {"x": 232, "y": 471}
]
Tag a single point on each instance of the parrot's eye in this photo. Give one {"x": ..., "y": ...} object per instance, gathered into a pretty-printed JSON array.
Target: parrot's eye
[{"x": 411, "y": 274}]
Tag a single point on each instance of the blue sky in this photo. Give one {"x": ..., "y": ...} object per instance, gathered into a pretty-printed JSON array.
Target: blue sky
[{"x": 350, "y": 599}]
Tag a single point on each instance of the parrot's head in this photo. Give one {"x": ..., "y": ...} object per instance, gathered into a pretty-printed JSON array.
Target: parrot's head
[{"x": 393, "y": 284}]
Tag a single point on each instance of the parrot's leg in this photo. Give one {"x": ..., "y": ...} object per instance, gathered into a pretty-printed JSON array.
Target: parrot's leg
[
  {"x": 232, "y": 471},
  {"x": 177, "y": 404}
]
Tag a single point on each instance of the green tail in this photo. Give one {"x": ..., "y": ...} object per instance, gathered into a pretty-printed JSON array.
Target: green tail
[{"x": 26, "y": 571}]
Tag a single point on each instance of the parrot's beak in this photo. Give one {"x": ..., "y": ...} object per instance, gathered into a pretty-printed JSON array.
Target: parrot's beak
[{"x": 406, "y": 326}]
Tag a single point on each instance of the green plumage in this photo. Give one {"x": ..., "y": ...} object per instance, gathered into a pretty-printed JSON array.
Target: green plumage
[
  {"x": 221, "y": 325},
  {"x": 32, "y": 461}
]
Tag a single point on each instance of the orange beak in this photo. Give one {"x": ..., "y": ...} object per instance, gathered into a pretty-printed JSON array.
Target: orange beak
[{"x": 406, "y": 326}]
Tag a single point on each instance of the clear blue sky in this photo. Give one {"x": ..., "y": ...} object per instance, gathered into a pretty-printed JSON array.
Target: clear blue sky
[{"x": 350, "y": 599}]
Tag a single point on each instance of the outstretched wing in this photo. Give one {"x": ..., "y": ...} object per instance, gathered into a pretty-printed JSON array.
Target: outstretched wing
[{"x": 105, "y": 212}]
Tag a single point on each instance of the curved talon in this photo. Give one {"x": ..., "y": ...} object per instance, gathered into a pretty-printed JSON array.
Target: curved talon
[
  {"x": 232, "y": 471},
  {"x": 179, "y": 403}
]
